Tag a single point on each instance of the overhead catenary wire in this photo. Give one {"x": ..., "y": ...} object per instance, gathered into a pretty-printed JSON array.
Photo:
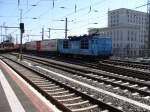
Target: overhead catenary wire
[
  {"x": 77, "y": 10},
  {"x": 28, "y": 10},
  {"x": 142, "y": 5},
  {"x": 84, "y": 8},
  {"x": 44, "y": 13}
]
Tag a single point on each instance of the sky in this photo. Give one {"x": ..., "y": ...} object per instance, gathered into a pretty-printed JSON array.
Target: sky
[{"x": 38, "y": 14}]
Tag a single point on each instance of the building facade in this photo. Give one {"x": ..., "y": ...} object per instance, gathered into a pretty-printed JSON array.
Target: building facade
[{"x": 129, "y": 32}]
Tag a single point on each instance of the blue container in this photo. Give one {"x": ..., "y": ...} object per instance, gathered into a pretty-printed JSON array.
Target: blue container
[{"x": 90, "y": 46}]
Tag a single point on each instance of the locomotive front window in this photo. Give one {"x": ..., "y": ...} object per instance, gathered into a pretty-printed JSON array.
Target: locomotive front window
[
  {"x": 65, "y": 44},
  {"x": 84, "y": 44}
]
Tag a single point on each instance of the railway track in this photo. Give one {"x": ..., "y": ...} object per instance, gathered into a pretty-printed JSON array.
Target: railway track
[
  {"x": 131, "y": 70},
  {"x": 132, "y": 62},
  {"x": 127, "y": 85},
  {"x": 133, "y": 85},
  {"x": 127, "y": 64},
  {"x": 66, "y": 98}
]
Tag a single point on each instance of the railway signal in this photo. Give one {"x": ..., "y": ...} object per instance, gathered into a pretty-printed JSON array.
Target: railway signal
[{"x": 22, "y": 27}]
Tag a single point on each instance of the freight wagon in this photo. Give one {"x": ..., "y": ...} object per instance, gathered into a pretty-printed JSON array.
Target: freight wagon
[
  {"x": 32, "y": 46},
  {"x": 49, "y": 45},
  {"x": 45, "y": 47},
  {"x": 94, "y": 46},
  {"x": 8, "y": 47}
]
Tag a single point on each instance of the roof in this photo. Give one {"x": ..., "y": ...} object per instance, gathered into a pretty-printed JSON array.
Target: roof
[
  {"x": 76, "y": 38},
  {"x": 128, "y": 10}
]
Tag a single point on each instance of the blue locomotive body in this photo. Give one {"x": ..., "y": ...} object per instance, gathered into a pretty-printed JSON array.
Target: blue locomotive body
[{"x": 94, "y": 46}]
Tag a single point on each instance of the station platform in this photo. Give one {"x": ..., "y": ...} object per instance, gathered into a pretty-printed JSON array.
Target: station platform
[{"x": 16, "y": 95}]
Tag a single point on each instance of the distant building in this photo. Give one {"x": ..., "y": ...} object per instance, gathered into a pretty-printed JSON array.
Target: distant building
[{"x": 129, "y": 32}]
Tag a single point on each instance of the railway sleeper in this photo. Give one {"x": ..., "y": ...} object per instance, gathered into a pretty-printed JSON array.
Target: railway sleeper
[
  {"x": 64, "y": 96},
  {"x": 86, "y": 109},
  {"x": 70, "y": 99},
  {"x": 75, "y": 104},
  {"x": 45, "y": 85},
  {"x": 36, "y": 80},
  {"x": 73, "y": 101},
  {"x": 51, "y": 87},
  {"x": 58, "y": 93},
  {"x": 85, "y": 105},
  {"x": 55, "y": 90}
]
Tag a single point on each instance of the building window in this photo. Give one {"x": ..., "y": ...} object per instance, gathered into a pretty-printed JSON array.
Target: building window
[
  {"x": 135, "y": 36},
  {"x": 131, "y": 38},
  {"x": 110, "y": 33},
  {"x": 131, "y": 46},
  {"x": 117, "y": 45},
  {"x": 128, "y": 35},
  {"x": 121, "y": 35},
  {"x": 107, "y": 33},
  {"x": 114, "y": 35},
  {"x": 117, "y": 35},
  {"x": 113, "y": 45},
  {"x": 120, "y": 45}
]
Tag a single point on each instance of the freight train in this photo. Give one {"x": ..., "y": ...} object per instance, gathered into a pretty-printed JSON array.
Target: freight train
[
  {"x": 85, "y": 46},
  {"x": 8, "y": 47}
]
